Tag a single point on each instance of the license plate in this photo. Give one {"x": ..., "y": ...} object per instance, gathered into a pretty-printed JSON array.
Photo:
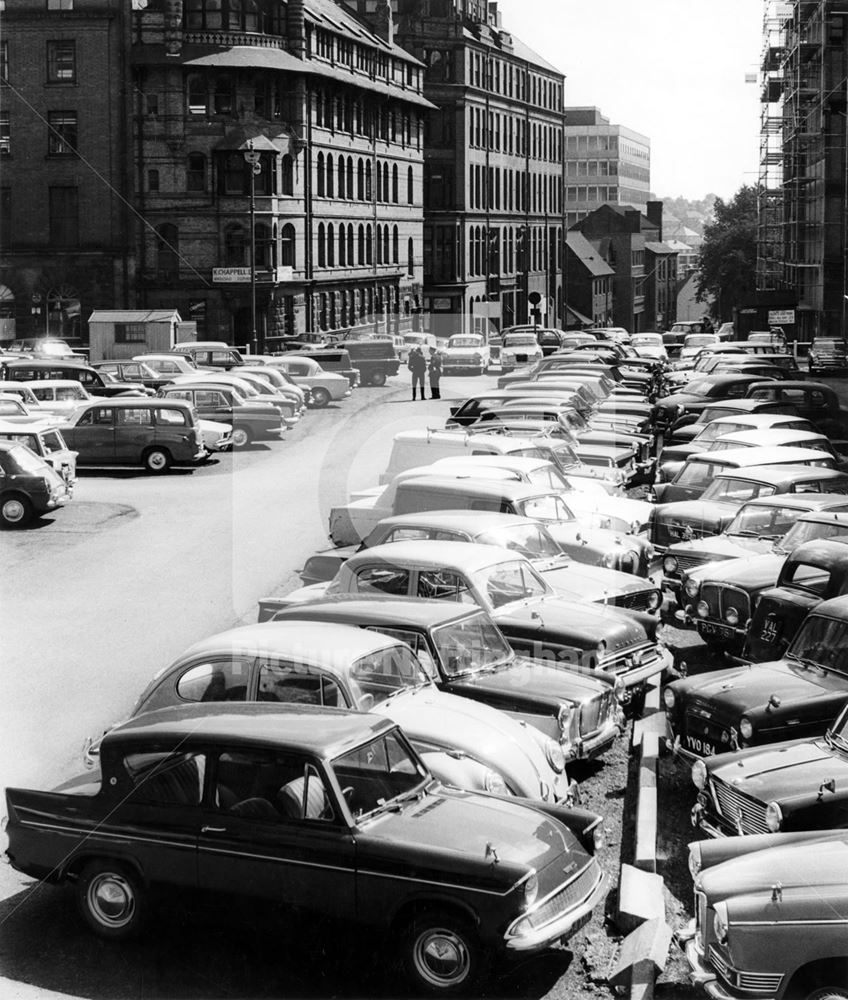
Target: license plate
[
  {"x": 699, "y": 746},
  {"x": 709, "y": 628}
]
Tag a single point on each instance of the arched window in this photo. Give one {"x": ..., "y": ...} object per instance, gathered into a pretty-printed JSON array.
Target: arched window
[
  {"x": 196, "y": 172},
  {"x": 235, "y": 246},
  {"x": 410, "y": 257},
  {"x": 360, "y": 180},
  {"x": 350, "y": 258},
  {"x": 322, "y": 245},
  {"x": 368, "y": 186},
  {"x": 342, "y": 247},
  {"x": 331, "y": 246},
  {"x": 386, "y": 244},
  {"x": 360, "y": 256},
  {"x": 287, "y": 175},
  {"x": 394, "y": 183},
  {"x": 395, "y": 246},
  {"x": 330, "y": 177},
  {"x": 196, "y": 94},
  {"x": 409, "y": 186},
  {"x": 319, "y": 167},
  {"x": 263, "y": 245},
  {"x": 379, "y": 244},
  {"x": 168, "y": 251},
  {"x": 287, "y": 246},
  {"x": 369, "y": 244},
  {"x": 350, "y": 193},
  {"x": 222, "y": 97},
  {"x": 341, "y": 177}
]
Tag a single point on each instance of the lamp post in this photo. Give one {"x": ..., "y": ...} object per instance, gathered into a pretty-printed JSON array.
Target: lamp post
[{"x": 253, "y": 160}]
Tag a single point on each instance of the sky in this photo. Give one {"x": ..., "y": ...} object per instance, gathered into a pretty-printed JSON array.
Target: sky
[{"x": 673, "y": 70}]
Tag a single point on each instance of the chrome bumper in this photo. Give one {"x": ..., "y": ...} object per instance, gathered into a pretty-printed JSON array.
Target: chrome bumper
[
  {"x": 701, "y": 974},
  {"x": 559, "y": 929}
]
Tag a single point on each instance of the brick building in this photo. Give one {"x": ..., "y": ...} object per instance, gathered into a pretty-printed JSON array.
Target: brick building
[
  {"x": 589, "y": 280},
  {"x": 330, "y": 110},
  {"x": 493, "y": 194}
]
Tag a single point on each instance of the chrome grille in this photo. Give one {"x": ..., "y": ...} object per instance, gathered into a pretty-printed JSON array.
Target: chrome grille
[
  {"x": 731, "y": 803},
  {"x": 720, "y": 598},
  {"x": 639, "y": 601},
  {"x": 625, "y": 660},
  {"x": 687, "y": 562},
  {"x": 756, "y": 982},
  {"x": 700, "y": 918},
  {"x": 566, "y": 897}
]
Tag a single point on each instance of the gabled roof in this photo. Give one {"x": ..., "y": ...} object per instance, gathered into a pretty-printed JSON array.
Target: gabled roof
[
  {"x": 519, "y": 49},
  {"x": 134, "y": 316},
  {"x": 659, "y": 248},
  {"x": 588, "y": 255}
]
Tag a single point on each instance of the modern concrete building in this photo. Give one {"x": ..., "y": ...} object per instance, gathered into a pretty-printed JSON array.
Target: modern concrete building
[
  {"x": 147, "y": 198},
  {"x": 493, "y": 164},
  {"x": 604, "y": 163}
]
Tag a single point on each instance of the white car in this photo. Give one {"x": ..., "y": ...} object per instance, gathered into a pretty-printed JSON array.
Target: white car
[
  {"x": 59, "y": 396},
  {"x": 519, "y": 348},
  {"x": 649, "y": 345},
  {"x": 465, "y": 353},
  {"x": 409, "y": 340},
  {"x": 217, "y": 436}
]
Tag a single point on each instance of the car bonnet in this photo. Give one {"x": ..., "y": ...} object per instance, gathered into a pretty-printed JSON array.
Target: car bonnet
[{"x": 786, "y": 772}]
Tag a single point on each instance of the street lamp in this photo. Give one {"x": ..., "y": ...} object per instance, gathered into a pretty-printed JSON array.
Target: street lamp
[{"x": 253, "y": 159}]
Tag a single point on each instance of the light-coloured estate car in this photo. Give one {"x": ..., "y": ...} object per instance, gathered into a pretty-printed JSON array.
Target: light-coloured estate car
[
  {"x": 519, "y": 347},
  {"x": 465, "y": 354},
  {"x": 45, "y": 439},
  {"x": 324, "y": 387},
  {"x": 465, "y": 744}
]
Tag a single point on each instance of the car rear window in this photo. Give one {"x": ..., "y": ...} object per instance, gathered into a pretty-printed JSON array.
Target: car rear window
[
  {"x": 135, "y": 416},
  {"x": 171, "y": 417}
]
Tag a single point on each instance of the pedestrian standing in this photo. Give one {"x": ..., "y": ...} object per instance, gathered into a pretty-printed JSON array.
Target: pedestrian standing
[
  {"x": 435, "y": 370},
  {"x": 417, "y": 364}
]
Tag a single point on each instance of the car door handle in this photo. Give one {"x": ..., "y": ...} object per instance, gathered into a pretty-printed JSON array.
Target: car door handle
[{"x": 213, "y": 829}]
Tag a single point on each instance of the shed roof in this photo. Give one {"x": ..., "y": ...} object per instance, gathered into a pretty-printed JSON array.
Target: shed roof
[{"x": 134, "y": 316}]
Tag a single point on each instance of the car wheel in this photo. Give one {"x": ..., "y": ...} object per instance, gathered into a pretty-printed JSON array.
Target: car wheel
[
  {"x": 320, "y": 398},
  {"x": 377, "y": 379},
  {"x": 111, "y": 899},
  {"x": 156, "y": 460},
  {"x": 241, "y": 437},
  {"x": 15, "y": 511},
  {"x": 441, "y": 954},
  {"x": 828, "y": 993}
]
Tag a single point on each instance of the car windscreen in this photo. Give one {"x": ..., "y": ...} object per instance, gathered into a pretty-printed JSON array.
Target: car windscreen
[
  {"x": 519, "y": 340},
  {"x": 528, "y": 539},
  {"x": 376, "y": 776},
  {"x": 822, "y": 641},
  {"x": 809, "y": 531},
  {"x": 714, "y": 431},
  {"x": 544, "y": 508},
  {"x": 696, "y": 474},
  {"x": 507, "y": 582},
  {"x": 700, "y": 387},
  {"x": 470, "y": 645},
  {"x": 763, "y": 521},
  {"x": 385, "y": 672},
  {"x": 737, "y": 491}
]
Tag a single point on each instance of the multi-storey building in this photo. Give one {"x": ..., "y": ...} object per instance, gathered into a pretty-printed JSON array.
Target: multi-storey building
[
  {"x": 803, "y": 211},
  {"x": 493, "y": 169},
  {"x": 604, "y": 163},
  {"x": 271, "y": 157}
]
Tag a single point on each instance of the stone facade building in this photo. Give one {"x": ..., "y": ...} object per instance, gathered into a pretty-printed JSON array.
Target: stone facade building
[
  {"x": 493, "y": 165},
  {"x": 330, "y": 111}
]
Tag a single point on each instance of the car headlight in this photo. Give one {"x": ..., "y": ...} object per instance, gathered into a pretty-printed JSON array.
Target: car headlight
[
  {"x": 745, "y": 728},
  {"x": 703, "y": 609},
  {"x": 600, "y": 651},
  {"x": 599, "y": 837},
  {"x": 609, "y": 559},
  {"x": 694, "y": 860},
  {"x": 531, "y": 890},
  {"x": 564, "y": 718},
  {"x": 774, "y": 817},
  {"x": 691, "y": 588},
  {"x": 720, "y": 923},
  {"x": 495, "y": 783},
  {"x": 699, "y": 775},
  {"x": 731, "y": 616},
  {"x": 629, "y": 562},
  {"x": 619, "y": 689},
  {"x": 669, "y": 698},
  {"x": 556, "y": 758},
  {"x": 670, "y": 564},
  {"x": 654, "y": 600}
]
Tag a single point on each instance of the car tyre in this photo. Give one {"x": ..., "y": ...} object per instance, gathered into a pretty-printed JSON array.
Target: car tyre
[
  {"x": 320, "y": 398},
  {"x": 156, "y": 460},
  {"x": 15, "y": 511},
  {"x": 377, "y": 379},
  {"x": 111, "y": 899},
  {"x": 828, "y": 993},
  {"x": 441, "y": 954},
  {"x": 241, "y": 437}
]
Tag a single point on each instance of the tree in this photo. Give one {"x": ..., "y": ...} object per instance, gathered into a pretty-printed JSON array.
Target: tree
[{"x": 728, "y": 267}]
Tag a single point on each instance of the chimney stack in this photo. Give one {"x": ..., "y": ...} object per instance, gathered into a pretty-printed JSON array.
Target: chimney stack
[
  {"x": 384, "y": 26},
  {"x": 655, "y": 214},
  {"x": 296, "y": 28}
]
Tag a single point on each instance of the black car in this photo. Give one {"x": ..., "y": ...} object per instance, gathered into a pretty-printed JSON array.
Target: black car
[
  {"x": 132, "y": 371},
  {"x": 332, "y": 359},
  {"x": 702, "y": 392},
  {"x": 31, "y": 370},
  {"x": 29, "y": 487}
]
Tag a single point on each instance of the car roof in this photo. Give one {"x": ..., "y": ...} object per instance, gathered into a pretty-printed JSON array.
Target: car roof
[
  {"x": 776, "y": 474},
  {"x": 512, "y": 463},
  {"x": 473, "y": 521},
  {"x": 836, "y": 607},
  {"x": 130, "y": 402},
  {"x": 37, "y": 426},
  {"x": 507, "y": 489},
  {"x": 796, "y": 384},
  {"x": 468, "y": 556},
  {"x": 765, "y": 420},
  {"x": 321, "y": 731},
  {"x": 809, "y": 504},
  {"x": 775, "y": 436},
  {"x": 380, "y": 609},
  {"x": 757, "y": 456},
  {"x": 48, "y": 363},
  {"x": 747, "y": 405},
  {"x": 55, "y": 383}
]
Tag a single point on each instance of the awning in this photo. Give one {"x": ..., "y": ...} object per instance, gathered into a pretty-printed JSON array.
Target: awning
[
  {"x": 240, "y": 137},
  {"x": 578, "y": 317}
]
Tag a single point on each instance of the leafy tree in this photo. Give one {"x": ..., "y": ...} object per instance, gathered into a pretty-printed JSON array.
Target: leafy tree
[{"x": 727, "y": 274}]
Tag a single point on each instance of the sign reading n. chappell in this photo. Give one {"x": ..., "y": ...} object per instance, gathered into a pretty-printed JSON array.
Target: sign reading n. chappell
[{"x": 230, "y": 274}]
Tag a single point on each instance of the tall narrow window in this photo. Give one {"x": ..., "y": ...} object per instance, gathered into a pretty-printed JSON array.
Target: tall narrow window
[
  {"x": 379, "y": 183},
  {"x": 342, "y": 247},
  {"x": 152, "y": 180},
  {"x": 386, "y": 244},
  {"x": 394, "y": 183},
  {"x": 167, "y": 251},
  {"x": 369, "y": 244},
  {"x": 263, "y": 245},
  {"x": 196, "y": 172},
  {"x": 287, "y": 175},
  {"x": 235, "y": 246},
  {"x": 196, "y": 94},
  {"x": 409, "y": 186},
  {"x": 341, "y": 177},
  {"x": 410, "y": 257},
  {"x": 287, "y": 246},
  {"x": 4, "y": 59},
  {"x": 319, "y": 171},
  {"x": 322, "y": 247},
  {"x": 350, "y": 259},
  {"x": 62, "y": 133},
  {"x": 222, "y": 99},
  {"x": 331, "y": 246},
  {"x": 379, "y": 244},
  {"x": 360, "y": 180},
  {"x": 330, "y": 177},
  {"x": 360, "y": 259},
  {"x": 61, "y": 61},
  {"x": 368, "y": 186},
  {"x": 350, "y": 193},
  {"x": 5, "y": 134},
  {"x": 395, "y": 246}
]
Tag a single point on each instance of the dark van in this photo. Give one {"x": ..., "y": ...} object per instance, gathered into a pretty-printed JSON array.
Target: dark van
[
  {"x": 375, "y": 359},
  {"x": 333, "y": 359}
]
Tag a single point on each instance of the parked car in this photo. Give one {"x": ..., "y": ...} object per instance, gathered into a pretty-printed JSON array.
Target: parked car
[
  {"x": 818, "y": 402},
  {"x": 330, "y": 812},
  {"x": 279, "y": 383},
  {"x": 536, "y": 621},
  {"x": 46, "y": 347},
  {"x": 649, "y": 345},
  {"x": 694, "y": 343},
  {"x": 465, "y": 353},
  {"x": 31, "y": 370},
  {"x": 519, "y": 347},
  {"x": 468, "y": 745},
  {"x": 758, "y": 527},
  {"x": 573, "y": 580},
  {"x": 409, "y": 340},
  {"x": 814, "y": 572},
  {"x": 252, "y": 388},
  {"x": 796, "y": 697},
  {"x": 466, "y": 654},
  {"x": 23, "y": 392},
  {"x": 711, "y": 591},
  {"x": 45, "y": 439},
  {"x": 324, "y": 387},
  {"x": 251, "y": 421},
  {"x": 211, "y": 354},
  {"x": 13, "y": 411},
  {"x": 332, "y": 359},
  {"x": 787, "y": 889},
  {"x": 702, "y": 392},
  {"x": 169, "y": 364},
  {"x": 133, "y": 371},
  {"x": 718, "y": 504},
  {"x": 699, "y": 471},
  {"x": 29, "y": 487},
  {"x": 58, "y": 397},
  {"x": 828, "y": 356},
  {"x": 154, "y": 433},
  {"x": 684, "y": 429},
  {"x": 549, "y": 340}
]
